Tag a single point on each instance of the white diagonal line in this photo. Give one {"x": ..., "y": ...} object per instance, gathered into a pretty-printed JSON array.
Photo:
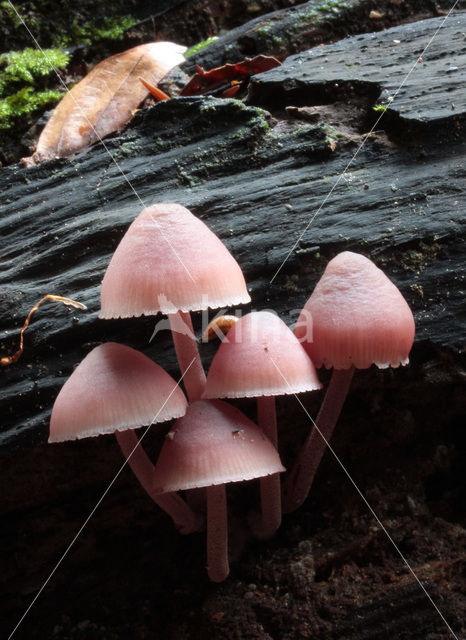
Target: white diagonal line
[
  {"x": 364, "y": 140},
  {"x": 279, "y": 269},
  {"x": 99, "y": 501},
  {"x": 91, "y": 126},
  {"x": 364, "y": 499}
]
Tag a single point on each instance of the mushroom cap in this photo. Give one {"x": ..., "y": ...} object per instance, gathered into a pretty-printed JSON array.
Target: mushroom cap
[
  {"x": 260, "y": 356},
  {"x": 356, "y": 316},
  {"x": 214, "y": 443},
  {"x": 170, "y": 261},
  {"x": 113, "y": 389}
]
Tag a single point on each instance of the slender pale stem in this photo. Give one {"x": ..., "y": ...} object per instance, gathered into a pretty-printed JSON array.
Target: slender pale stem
[
  {"x": 217, "y": 533},
  {"x": 269, "y": 485},
  {"x": 267, "y": 417},
  {"x": 192, "y": 371},
  {"x": 186, "y": 351},
  {"x": 182, "y": 515},
  {"x": 302, "y": 474}
]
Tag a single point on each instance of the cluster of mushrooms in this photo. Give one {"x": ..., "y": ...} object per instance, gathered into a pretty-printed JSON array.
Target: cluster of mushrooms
[{"x": 170, "y": 262}]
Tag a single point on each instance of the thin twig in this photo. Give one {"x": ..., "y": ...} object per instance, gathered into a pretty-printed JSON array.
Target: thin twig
[{"x": 6, "y": 360}]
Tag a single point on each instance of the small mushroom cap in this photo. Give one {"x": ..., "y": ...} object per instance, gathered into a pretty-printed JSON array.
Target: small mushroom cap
[
  {"x": 113, "y": 389},
  {"x": 260, "y": 357},
  {"x": 170, "y": 261},
  {"x": 214, "y": 443},
  {"x": 356, "y": 316}
]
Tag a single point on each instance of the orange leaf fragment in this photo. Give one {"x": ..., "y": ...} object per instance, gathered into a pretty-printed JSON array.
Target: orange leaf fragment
[
  {"x": 155, "y": 91},
  {"x": 204, "y": 81},
  {"x": 6, "y": 360},
  {"x": 233, "y": 90},
  {"x": 104, "y": 100}
]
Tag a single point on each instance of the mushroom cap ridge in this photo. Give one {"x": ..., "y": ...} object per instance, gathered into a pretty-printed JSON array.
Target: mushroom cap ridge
[
  {"x": 356, "y": 316},
  {"x": 113, "y": 389},
  {"x": 260, "y": 357},
  {"x": 170, "y": 261},
  {"x": 214, "y": 443}
]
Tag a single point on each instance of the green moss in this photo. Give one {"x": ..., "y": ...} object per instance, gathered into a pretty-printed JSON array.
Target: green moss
[
  {"x": 28, "y": 67},
  {"x": 308, "y": 15},
  {"x": 90, "y": 33},
  {"x": 332, "y": 134},
  {"x": 9, "y": 14},
  {"x": 24, "y": 102},
  {"x": 260, "y": 118},
  {"x": 130, "y": 149},
  {"x": 27, "y": 81},
  {"x": 112, "y": 28},
  {"x": 200, "y": 45},
  {"x": 266, "y": 31},
  {"x": 29, "y": 64},
  {"x": 185, "y": 177},
  {"x": 22, "y": 73},
  {"x": 332, "y": 6},
  {"x": 240, "y": 134},
  {"x": 61, "y": 23},
  {"x": 208, "y": 105},
  {"x": 379, "y": 108}
]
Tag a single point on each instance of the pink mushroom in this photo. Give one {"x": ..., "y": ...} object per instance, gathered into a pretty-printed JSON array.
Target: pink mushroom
[
  {"x": 261, "y": 358},
  {"x": 170, "y": 262},
  {"x": 355, "y": 317},
  {"x": 114, "y": 390},
  {"x": 214, "y": 444}
]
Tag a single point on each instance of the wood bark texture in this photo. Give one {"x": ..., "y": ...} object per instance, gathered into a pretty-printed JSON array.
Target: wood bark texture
[{"x": 291, "y": 174}]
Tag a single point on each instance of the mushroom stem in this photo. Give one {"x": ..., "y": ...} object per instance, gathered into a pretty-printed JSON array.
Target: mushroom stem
[
  {"x": 267, "y": 418},
  {"x": 182, "y": 515},
  {"x": 298, "y": 483},
  {"x": 217, "y": 533},
  {"x": 187, "y": 354},
  {"x": 269, "y": 485}
]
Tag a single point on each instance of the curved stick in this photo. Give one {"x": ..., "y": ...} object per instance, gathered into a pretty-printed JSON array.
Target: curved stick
[
  {"x": 6, "y": 360},
  {"x": 298, "y": 483}
]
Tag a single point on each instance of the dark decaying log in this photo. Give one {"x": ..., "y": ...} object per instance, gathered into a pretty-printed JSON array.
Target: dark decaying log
[
  {"x": 256, "y": 182},
  {"x": 296, "y": 28},
  {"x": 427, "y": 90},
  {"x": 257, "y": 176}
]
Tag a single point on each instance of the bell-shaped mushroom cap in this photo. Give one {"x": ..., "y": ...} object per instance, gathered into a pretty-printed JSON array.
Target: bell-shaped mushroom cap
[
  {"x": 113, "y": 389},
  {"x": 356, "y": 316},
  {"x": 260, "y": 356},
  {"x": 170, "y": 261},
  {"x": 214, "y": 443}
]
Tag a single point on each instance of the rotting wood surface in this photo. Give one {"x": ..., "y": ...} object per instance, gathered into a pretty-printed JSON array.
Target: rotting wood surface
[
  {"x": 307, "y": 24},
  {"x": 255, "y": 176},
  {"x": 256, "y": 181}
]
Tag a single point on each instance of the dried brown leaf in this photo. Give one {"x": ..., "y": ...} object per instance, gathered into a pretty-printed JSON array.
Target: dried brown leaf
[{"x": 104, "y": 100}]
